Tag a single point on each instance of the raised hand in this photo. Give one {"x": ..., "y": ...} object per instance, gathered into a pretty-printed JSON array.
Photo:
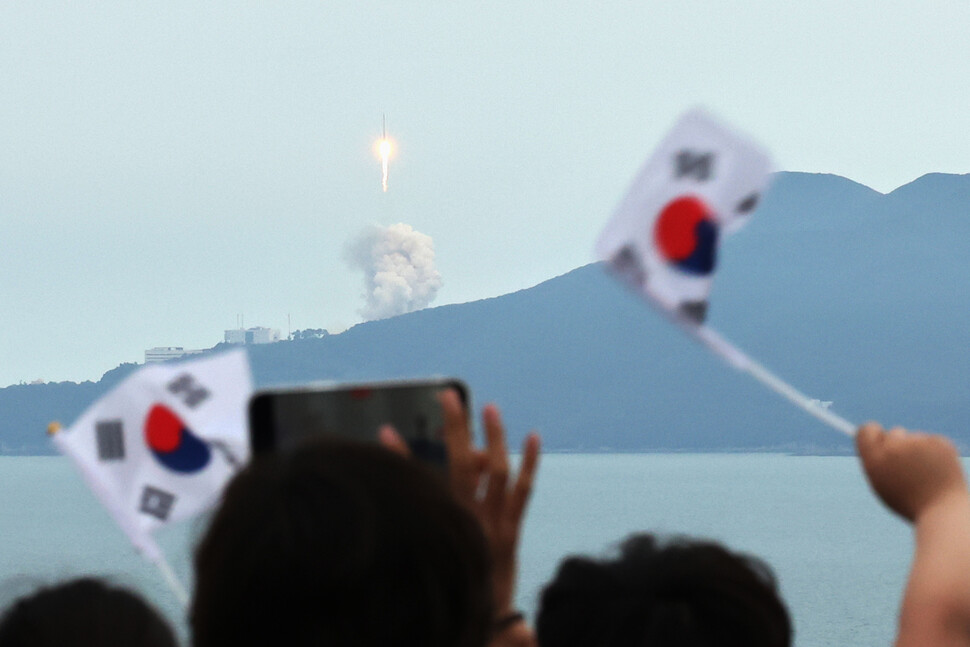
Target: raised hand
[
  {"x": 910, "y": 471},
  {"x": 480, "y": 480},
  {"x": 919, "y": 477}
]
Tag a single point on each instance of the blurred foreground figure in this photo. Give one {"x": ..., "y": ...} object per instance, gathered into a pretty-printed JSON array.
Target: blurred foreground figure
[
  {"x": 340, "y": 543},
  {"x": 684, "y": 593},
  {"x": 84, "y": 612},
  {"x": 919, "y": 477}
]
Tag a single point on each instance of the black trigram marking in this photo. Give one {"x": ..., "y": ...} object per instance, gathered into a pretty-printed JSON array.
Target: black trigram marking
[
  {"x": 626, "y": 265},
  {"x": 695, "y": 311},
  {"x": 157, "y": 503},
  {"x": 748, "y": 204},
  {"x": 700, "y": 166},
  {"x": 191, "y": 392},
  {"x": 111, "y": 440}
]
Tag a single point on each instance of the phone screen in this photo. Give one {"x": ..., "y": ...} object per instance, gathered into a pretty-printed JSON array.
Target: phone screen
[{"x": 279, "y": 420}]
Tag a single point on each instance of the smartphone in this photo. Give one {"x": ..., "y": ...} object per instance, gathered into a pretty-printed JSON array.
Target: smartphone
[{"x": 280, "y": 418}]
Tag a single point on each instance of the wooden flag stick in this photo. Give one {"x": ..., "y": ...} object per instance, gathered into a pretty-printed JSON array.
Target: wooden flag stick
[
  {"x": 741, "y": 361},
  {"x": 171, "y": 579}
]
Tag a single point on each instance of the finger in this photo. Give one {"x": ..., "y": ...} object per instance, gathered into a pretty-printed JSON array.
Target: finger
[
  {"x": 896, "y": 433},
  {"x": 477, "y": 483},
  {"x": 456, "y": 433},
  {"x": 498, "y": 461},
  {"x": 388, "y": 437},
  {"x": 870, "y": 445},
  {"x": 936, "y": 441},
  {"x": 462, "y": 464},
  {"x": 522, "y": 489},
  {"x": 867, "y": 437},
  {"x": 454, "y": 412}
]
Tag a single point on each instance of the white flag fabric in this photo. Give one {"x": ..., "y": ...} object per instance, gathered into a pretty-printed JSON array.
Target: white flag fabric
[
  {"x": 161, "y": 445},
  {"x": 703, "y": 180}
]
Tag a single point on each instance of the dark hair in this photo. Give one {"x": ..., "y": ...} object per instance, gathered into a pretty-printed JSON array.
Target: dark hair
[
  {"x": 685, "y": 593},
  {"x": 84, "y": 612},
  {"x": 341, "y": 543}
]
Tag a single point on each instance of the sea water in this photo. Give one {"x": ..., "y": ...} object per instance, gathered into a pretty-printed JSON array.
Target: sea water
[{"x": 840, "y": 558}]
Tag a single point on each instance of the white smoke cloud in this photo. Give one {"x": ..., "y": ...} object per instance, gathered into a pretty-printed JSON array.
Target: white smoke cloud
[{"x": 399, "y": 271}]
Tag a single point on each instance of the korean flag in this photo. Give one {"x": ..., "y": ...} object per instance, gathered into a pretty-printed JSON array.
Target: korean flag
[
  {"x": 703, "y": 180},
  {"x": 161, "y": 445}
]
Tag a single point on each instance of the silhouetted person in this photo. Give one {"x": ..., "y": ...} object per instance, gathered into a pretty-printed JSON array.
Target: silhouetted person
[
  {"x": 84, "y": 612},
  {"x": 340, "y": 543},
  {"x": 683, "y": 593}
]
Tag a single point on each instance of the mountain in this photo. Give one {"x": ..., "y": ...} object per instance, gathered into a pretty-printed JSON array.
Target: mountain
[{"x": 851, "y": 295}]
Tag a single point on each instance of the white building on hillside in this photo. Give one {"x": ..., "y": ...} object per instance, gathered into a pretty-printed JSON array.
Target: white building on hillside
[
  {"x": 252, "y": 336},
  {"x": 165, "y": 353}
]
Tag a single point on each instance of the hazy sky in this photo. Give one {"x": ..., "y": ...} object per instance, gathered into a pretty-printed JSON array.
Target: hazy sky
[{"x": 165, "y": 166}]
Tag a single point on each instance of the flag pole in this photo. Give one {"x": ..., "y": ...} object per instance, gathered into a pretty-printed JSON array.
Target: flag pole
[
  {"x": 150, "y": 550},
  {"x": 741, "y": 361},
  {"x": 171, "y": 579}
]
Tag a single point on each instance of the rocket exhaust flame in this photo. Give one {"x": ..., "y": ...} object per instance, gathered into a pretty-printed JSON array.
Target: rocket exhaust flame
[{"x": 384, "y": 151}]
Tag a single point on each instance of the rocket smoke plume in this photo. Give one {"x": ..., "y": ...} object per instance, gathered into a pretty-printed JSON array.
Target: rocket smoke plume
[{"x": 399, "y": 271}]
